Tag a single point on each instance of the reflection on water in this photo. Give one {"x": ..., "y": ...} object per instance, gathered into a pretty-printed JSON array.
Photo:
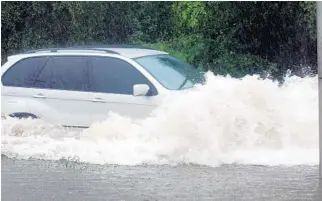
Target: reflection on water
[{"x": 64, "y": 180}]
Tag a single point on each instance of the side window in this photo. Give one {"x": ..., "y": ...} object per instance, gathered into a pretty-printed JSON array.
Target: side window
[
  {"x": 65, "y": 73},
  {"x": 112, "y": 75},
  {"x": 24, "y": 73}
]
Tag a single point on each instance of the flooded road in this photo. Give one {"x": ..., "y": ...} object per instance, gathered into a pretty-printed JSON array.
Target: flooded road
[
  {"x": 61, "y": 180},
  {"x": 231, "y": 139}
]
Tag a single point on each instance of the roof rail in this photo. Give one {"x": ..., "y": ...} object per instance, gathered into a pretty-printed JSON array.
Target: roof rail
[
  {"x": 114, "y": 46},
  {"x": 70, "y": 48}
]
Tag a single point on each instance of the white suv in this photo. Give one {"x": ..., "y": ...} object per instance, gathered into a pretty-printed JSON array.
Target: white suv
[{"x": 78, "y": 86}]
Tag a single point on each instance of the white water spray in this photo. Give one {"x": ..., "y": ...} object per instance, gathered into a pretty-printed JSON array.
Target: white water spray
[{"x": 247, "y": 121}]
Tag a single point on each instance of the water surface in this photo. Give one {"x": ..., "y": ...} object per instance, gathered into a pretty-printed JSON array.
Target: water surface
[{"x": 64, "y": 180}]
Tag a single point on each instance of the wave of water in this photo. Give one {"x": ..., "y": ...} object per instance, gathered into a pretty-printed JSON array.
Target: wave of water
[{"x": 246, "y": 121}]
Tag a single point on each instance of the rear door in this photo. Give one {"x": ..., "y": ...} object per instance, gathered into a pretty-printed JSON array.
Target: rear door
[
  {"x": 62, "y": 91},
  {"x": 111, "y": 86}
]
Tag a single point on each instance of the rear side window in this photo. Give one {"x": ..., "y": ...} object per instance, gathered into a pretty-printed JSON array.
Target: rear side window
[
  {"x": 24, "y": 73},
  {"x": 65, "y": 73},
  {"x": 112, "y": 75}
]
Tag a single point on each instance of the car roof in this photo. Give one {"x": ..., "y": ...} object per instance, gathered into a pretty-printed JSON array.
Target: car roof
[
  {"x": 135, "y": 53},
  {"x": 129, "y": 51}
]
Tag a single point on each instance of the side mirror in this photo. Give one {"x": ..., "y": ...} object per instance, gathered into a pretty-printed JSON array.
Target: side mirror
[{"x": 140, "y": 90}]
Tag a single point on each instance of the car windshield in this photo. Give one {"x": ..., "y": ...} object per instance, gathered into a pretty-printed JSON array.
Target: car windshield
[{"x": 171, "y": 72}]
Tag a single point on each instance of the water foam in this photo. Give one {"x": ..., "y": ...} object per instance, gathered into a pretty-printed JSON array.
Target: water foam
[{"x": 247, "y": 121}]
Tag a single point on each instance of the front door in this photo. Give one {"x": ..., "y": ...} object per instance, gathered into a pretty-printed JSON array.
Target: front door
[{"x": 111, "y": 86}]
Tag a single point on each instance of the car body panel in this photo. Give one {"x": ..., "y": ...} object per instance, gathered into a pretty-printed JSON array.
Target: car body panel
[{"x": 74, "y": 108}]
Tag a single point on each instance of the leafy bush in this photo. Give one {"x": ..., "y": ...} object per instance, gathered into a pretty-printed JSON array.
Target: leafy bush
[{"x": 227, "y": 37}]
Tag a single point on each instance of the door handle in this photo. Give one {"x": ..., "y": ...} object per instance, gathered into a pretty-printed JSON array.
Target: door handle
[
  {"x": 98, "y": 100},
  {"x": 39, "y": 96}
]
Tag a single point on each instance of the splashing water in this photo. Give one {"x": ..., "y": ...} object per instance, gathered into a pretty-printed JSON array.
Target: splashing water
[{"x": 247, "y": 121}]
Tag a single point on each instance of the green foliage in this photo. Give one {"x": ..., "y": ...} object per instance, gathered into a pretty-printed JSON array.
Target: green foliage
[
  {"x": 309, "y": 12},
  {"x": 235, "y": 38},
  {"x": 239, "y": 65},
  {"x": 188, "y": 16}
]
